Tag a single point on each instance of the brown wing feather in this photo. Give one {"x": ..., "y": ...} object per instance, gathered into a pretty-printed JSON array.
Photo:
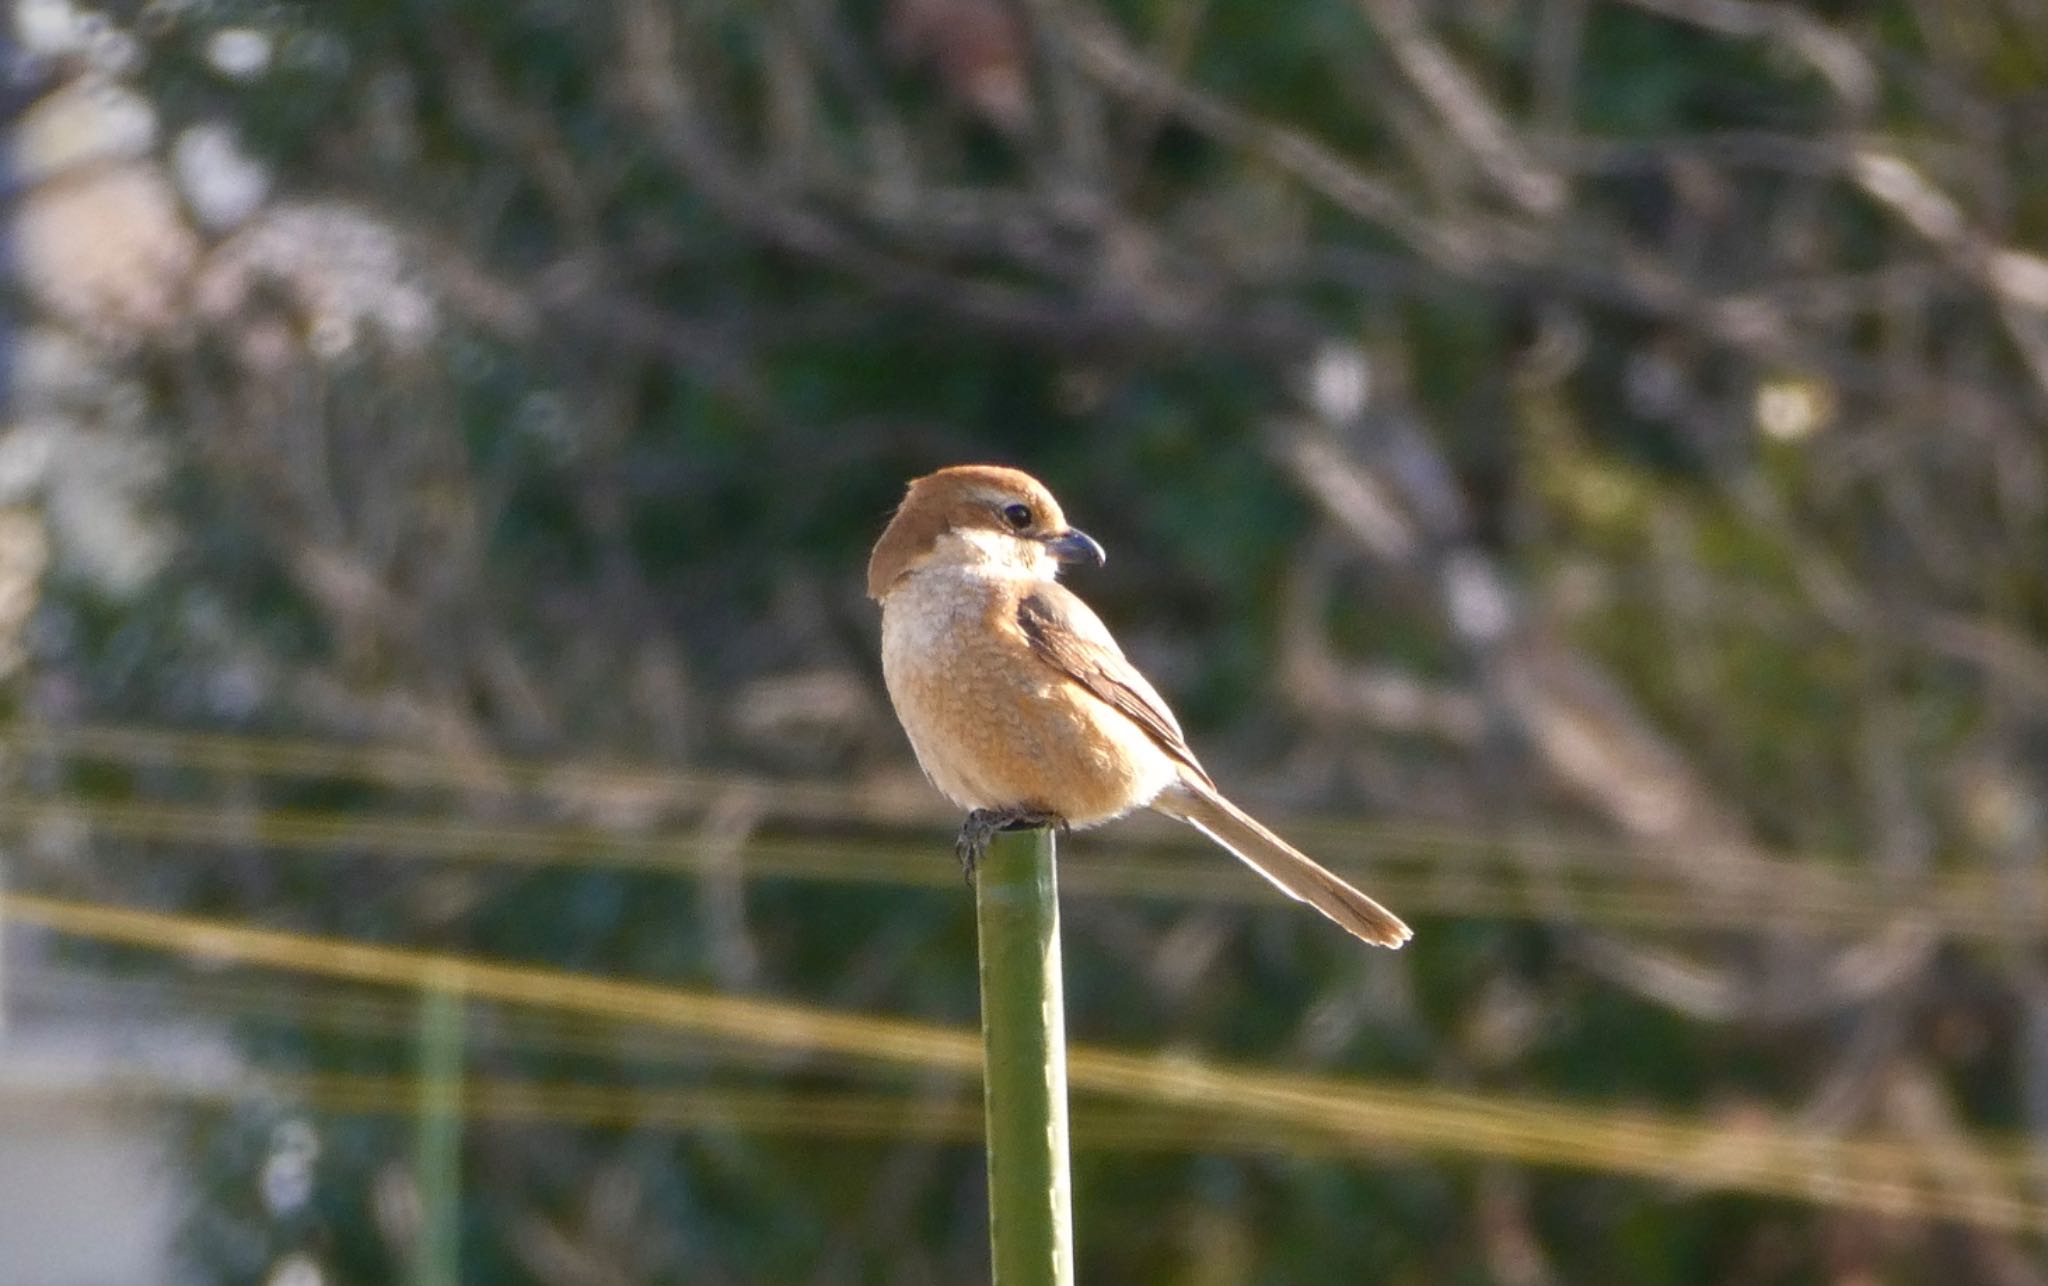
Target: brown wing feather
[{"x": 1066, "y": 635}]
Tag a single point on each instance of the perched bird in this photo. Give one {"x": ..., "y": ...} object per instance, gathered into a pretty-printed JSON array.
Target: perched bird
[{"x": 1020, "y": 705}]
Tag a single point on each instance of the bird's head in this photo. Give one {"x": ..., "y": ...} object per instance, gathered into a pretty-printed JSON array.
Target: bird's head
[{"x": 977, "y": 515}]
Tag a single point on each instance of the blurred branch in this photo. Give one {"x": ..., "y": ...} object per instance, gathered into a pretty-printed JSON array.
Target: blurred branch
[
  {"x": 1584, "y": 731},
  {"x": 1101, "y": 52},
  {"x": 1456, "y": 97},
  {"x": 1379, "y": 697},
  {"x": 1917, "y": 1105},
  {"x": 657, "y": 88},
  {"x": 1840, "y": 63}
]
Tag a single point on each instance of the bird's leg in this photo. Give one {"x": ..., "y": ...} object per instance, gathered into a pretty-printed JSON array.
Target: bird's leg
[{"x": 982, "y": 824}]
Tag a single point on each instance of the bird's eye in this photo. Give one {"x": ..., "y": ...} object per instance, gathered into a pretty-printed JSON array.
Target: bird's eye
[{"x": 1018, "y": 516}]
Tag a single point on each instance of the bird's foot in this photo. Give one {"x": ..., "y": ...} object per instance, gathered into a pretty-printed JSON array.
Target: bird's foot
[{"x": 983, "y": 823}]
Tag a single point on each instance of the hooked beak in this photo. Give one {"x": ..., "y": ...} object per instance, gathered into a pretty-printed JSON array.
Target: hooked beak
[{"x": 1072, "y": 546}]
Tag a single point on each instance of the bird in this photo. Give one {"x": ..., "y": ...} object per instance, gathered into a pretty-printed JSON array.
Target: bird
[{"x": 1019, "y": 704}]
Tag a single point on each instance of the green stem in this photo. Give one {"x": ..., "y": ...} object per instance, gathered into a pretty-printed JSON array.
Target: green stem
[
  {"x": 1024, "y": 1061},
  {"x": 437, "y": 1157}
]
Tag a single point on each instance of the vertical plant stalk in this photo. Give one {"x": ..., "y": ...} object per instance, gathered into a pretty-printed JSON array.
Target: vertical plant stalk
[
  {"x": 1024, "y": 1062},
  {"x": 437, "y": 1143}
]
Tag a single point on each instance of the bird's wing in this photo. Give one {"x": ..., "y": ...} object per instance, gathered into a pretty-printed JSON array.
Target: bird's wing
[{"x": 1065, "y": 634}]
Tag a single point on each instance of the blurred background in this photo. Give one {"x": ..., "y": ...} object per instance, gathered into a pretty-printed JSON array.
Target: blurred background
[{"x": 1577, "y": 466}]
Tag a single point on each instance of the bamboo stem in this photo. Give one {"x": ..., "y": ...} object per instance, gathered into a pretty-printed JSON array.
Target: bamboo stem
[
  {"x": 437, "y": 1162},
  {"x": 1024, "y": 1061}
]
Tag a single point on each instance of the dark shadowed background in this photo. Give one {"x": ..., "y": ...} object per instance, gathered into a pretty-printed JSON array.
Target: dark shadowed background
[{"x": 1576, "y": 465}]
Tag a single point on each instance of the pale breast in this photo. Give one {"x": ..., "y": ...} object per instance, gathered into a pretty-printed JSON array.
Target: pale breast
[{"x": 992, "y": 725}]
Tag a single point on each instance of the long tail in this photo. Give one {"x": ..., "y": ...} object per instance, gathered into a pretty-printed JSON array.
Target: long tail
[{"x": 1291, "y": 871}]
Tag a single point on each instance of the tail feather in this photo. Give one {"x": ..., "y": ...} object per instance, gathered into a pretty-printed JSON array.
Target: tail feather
[{"x": 1288, "y": 868}]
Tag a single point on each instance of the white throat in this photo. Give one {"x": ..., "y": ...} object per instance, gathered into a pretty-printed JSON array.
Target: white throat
[{"x": 995, "y": 553}]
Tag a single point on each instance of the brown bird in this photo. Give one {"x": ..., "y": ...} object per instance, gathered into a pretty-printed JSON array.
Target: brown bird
[{"x": 1019, "y": 703}]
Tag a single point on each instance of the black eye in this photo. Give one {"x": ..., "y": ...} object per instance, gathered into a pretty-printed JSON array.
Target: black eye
[{"x": 1018, "y": 516}]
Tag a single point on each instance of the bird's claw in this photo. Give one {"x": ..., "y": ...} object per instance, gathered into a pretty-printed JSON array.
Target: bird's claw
[{"x": 983, "y": 823}]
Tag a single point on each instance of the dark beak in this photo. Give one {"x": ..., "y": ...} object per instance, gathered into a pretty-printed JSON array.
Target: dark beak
[{"x": 1072, "y": 546}]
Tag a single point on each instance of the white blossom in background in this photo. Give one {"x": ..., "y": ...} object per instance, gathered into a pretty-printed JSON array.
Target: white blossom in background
[
  {"x": 75, "y": 450},
  {"x": 99, "y": 240},
  {"x": 48, "y": 28},
  {"x": 91, "y": 484},
  {"x": 1340, "y": 383},
  {"x": 76, "y": 447},
  {"x": 346, "y": 272},
  {"x": 288, "y": 1171},
  {"x": 1478, "y": 598},
  {"x": 296, "y": 1269},
  {"x": 26, "y": 450},
  {"x": 108, "y": 252},
  {"x": 94, "y": 500},
  {"x": 105, "y": 254},
  {"x": 90, "y": 121},
  {"x": 240, "y": 53},
  {"x": 221, "y": 182},
  {"x": 1790, "y": 409}
]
